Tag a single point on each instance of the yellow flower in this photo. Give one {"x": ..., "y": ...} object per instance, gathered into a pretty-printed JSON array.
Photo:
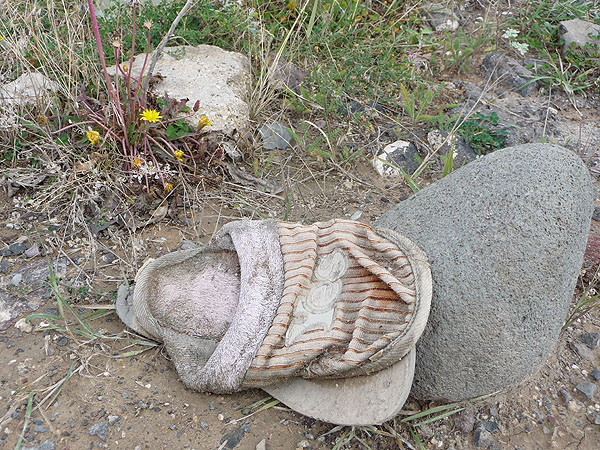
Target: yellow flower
[
  {"x": 137, "y": 163},
  {"x": 178, "y": 154},
  {"x": 125, "y": 68},
  {"x": 151, "y": 115},
  {"x": 93, "y": 136},
  {"x": 204, "y": 122},
  {"x": 292, "y": 5},
  {"x": 168, "y": 187}
]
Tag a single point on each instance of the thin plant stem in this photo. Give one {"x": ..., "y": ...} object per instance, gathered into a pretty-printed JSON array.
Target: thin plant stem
[{"x": 162, "y": 44}]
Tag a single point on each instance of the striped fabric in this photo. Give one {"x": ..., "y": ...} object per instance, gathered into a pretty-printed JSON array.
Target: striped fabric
[{"x": 348, "y": 293}]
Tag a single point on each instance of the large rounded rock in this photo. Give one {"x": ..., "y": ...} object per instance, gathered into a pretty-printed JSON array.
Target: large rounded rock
[{"x": 505, "y": 237}]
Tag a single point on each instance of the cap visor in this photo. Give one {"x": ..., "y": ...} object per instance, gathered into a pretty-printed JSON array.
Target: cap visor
[{"x": 364, "y": 400}]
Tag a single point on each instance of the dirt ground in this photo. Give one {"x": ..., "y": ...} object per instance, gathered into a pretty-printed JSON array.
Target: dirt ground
[{"x": 138, "y": 402}]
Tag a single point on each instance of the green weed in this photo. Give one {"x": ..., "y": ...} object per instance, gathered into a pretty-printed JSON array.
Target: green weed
[{"x": 482, "y": 133}]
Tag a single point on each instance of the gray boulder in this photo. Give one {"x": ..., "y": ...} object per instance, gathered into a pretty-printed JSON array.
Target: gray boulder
[
  {"x": 505, "y": 237},
  {"x": 577, "y": 34}
]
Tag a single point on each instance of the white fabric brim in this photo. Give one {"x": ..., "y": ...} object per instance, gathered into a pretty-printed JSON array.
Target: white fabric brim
[{"x": 363, "y": 400}]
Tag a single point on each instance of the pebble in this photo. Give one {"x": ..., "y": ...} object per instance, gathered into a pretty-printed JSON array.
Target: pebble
[
  {"x": 33, "y": 251},
  {"x": 304, "y": 444},
  {"x": 5, "y": 252},
  {"x": 262, "y": 445},
  {"x": 595, "y": 374},
  {"x": 17, "y": 248},
  {"x": 204, "y": 424},
  {"x": 187, "y": 245},
  {"x": 39, "y": 428},
  {"x": 99, "y": 429},
  {"x": 46, "y": 445},
  {"x": 62, "y": 341},
  {"x": 586, "y": 388},
  {"x": 172, "y": 427},
  {"x": 113, "y": 419},
  {"x": 483, "y": 438},
  {"x": 465, "y": 420},
  {"x": 16, "y": 279},
  {"x": 4, "y": 266},
  {"x": 125, "y": 395},
  {"x": 275, "y": 136},
  {"x": 591, "y": 340}
]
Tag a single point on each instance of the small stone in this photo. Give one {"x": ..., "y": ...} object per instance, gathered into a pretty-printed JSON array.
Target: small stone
[
  {"x": 462, "y": 152},
  {"x": 38, "y": 422},
  {"x": 23, "y": 325},
  {"x": 285, "y": 73},
  {"x": 204, "y": 424},
  {"x": 596, "y": 213},
  {"x": 582, "y": 350},
  {"x": 39, "y": 428},
  {"x": 187, "y": 245},
  {"x": 590, "y": 340},
  {"x": 482, "y": 438},
  {"x": 113, "y": 419},
  {"x": 397, "y": 155},
  {"x": 586, "y": 388},
  {"x": 442, "y": 18},
  {"x": 465, "y": 420},
  {"x": 275, "y": 136},
  {"x": 33, "y": 251},
  {"x": 593, "y": 418},
  {"x": 489, "y": 426},
  {"x": 16, "y": 279},
  {"x": 4, "y": 266},
  {"x": 304, "y": 444},
  {"x": 125, "y": 395},
  {"x": 109, "y": 258},
  {"x": 62, "y": 341},
  {"x": 595, "y": 374},
  {"x": 17, "y": 248},
  {"x": 262, "y": 445},
  {"x": 99, "y": 429},
  {"x": 172, "y": 427},
  {"x": 46, "y": 445},
  {"x": 5, "y": 252}
]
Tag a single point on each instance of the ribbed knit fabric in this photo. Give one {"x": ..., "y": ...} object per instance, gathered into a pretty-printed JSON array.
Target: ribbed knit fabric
[{"x": 349, "y": 296}]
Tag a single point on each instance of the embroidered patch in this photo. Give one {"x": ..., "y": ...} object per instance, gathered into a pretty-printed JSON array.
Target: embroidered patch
[{"x": 315, "y": 309}]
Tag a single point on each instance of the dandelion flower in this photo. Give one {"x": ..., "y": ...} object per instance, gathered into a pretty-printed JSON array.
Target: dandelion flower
[
  {"x": 93, "y": 136},
  {"x": 168, "y": 187},
  {"x": 137, "y": 163},
  {"x": 125, "y": 68},
  {"x": 178, "y": 154},
  {"x": 148, "y": 24},
  {"x": 151, "y": 115},
  {"x": 204, "y": 122}
]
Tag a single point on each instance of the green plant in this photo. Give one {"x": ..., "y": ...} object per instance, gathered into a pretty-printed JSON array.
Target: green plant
[
  {"x": 587, "y": 301},
  {"x": 414, "y": 102},
  {"x": 482, "y": 133},
  {"x": 131, "y": 119},
  {"x": 461, "y": 47}
]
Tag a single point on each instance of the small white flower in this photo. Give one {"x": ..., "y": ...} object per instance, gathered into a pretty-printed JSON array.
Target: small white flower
[
  {"x": 521, "y": 47},
  {"x": 511, "y": 33}
]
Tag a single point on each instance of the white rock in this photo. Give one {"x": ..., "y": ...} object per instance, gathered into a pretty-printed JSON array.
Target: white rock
[
  {"x": 218, "y": 79},
  {"x": 23, "y": 326},
  {"x": 401, "y": 154},
  {"x": 28, "y": 88}
]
